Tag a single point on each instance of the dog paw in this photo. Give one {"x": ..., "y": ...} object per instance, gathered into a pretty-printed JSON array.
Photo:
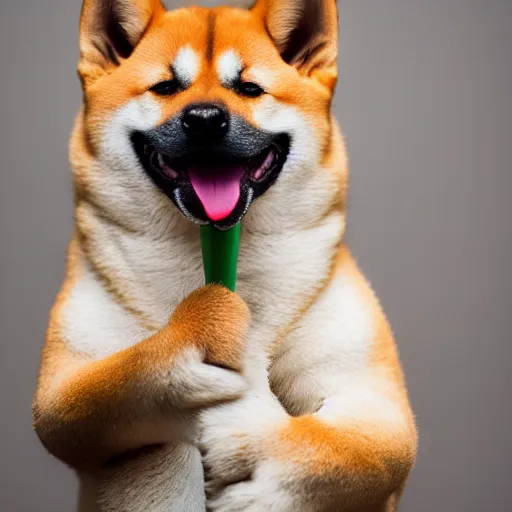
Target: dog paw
[
  {"x": 237, "y": 438},
  {"x": 195, "y": 384},
  {"x": 264, "y": 492}
]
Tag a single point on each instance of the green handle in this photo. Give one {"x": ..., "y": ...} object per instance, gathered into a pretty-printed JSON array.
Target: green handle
[{"x": 220, "y": 255}]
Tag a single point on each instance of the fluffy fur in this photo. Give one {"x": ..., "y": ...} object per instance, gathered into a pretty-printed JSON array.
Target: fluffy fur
[{"x": 166, "y": 396}]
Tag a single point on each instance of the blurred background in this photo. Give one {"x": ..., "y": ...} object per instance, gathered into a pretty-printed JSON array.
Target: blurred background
[{"x": 425, "y": 99}]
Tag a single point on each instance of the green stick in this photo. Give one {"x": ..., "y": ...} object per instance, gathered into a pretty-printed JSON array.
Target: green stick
[{"x": 220, "y": 255}]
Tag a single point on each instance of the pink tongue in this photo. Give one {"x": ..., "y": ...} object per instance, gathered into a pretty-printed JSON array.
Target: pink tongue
[{"x": 217, "y": 189}]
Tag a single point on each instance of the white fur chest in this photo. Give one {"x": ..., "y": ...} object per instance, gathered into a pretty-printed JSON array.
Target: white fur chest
[
  {"x": 277, "y": 274},
  {"x": 328, "y": 347}
]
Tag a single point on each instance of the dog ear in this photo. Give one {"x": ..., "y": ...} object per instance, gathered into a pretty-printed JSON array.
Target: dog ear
[
  {"x": 304, "y": 31},
  {"x": 110, "y": 30}
]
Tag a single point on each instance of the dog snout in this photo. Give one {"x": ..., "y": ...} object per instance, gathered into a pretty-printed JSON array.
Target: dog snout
[{"x": 205, "y": 122}]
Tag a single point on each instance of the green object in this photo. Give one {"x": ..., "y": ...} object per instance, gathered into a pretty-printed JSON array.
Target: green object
[{"x": 220, "y": 255}]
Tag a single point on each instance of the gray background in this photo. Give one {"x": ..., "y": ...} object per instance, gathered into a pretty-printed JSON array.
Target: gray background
[{"x": 425, "y": 100}]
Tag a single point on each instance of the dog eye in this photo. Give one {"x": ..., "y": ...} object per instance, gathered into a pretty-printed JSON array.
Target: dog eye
[
  {"x": 166, "y": 88},
  {"x": 249, "y": 89}
]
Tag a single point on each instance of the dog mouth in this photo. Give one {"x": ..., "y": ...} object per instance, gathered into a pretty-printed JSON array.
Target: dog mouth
[{"x": 212, "y": 185}]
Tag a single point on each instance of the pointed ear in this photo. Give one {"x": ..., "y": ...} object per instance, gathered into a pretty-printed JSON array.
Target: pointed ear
[
  {"x": 110, "y": 30},
  {"x": 304, "y": 31}
]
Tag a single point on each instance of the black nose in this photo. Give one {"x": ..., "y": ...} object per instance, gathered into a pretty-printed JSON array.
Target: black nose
[{"x": 205, "y": 122}]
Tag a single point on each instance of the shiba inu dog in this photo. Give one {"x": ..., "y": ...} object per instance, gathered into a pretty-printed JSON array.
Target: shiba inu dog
[{"x": 163, "y": 394}]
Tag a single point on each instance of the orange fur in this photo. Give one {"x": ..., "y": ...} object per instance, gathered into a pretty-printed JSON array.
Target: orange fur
[
  {"x": 80, "y": 402},
  {"x": 373, "y": 459},
  {"x": 88, "y": 409},
  {"x": 372, "y": 456},
  {"x": 167, "y": 33}
]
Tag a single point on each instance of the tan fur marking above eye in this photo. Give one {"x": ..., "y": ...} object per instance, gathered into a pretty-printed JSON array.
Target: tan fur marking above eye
[
  {"x": 187, "y": 65},
  {"x": 229, "y": 67}
]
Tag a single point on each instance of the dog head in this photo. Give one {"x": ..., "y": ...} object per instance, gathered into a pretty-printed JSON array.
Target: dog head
[{"x": 215, "y": 108}]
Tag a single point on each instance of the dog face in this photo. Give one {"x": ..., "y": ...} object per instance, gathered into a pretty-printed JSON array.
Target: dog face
[{"x": 214, "y": 106}]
